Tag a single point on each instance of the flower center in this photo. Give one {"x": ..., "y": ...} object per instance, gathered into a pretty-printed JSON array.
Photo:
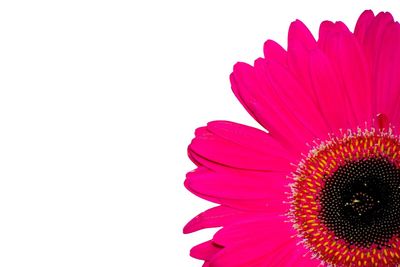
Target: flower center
[
  {"x": 360, "y": 203},
  {"x": 346, "y": 199}
]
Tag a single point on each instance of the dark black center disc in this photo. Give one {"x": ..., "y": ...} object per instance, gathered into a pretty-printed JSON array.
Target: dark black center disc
[{"x": 360, "y": 202}]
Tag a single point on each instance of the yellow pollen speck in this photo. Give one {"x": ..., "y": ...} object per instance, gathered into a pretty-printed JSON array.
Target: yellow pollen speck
[{"x": 319, "y": 175}]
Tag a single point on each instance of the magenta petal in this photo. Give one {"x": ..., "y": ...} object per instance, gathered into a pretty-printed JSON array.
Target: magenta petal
[
  {"x": 294, "y": 97},
  {"x": 274, "y": 51},
  {"x": 298, "y": 32},
  {"x": 256, "y": 243},
  {"x": 256, "y": 94},
  {"x": 300, "y": 43},
  {"x": 387, "y": 77},
  {"x": 205, "y": 251},
  {"x": 373, "y": 37},
  {"x": 329, "y": 92},
  {"x": 238, "y": 147},
  {"x": 298, "y": 61},
  {"x": 220, "y": 216},
  {"x": 213, "y": 217},
  {"x": 264, "y": 191},
  {"x": 351, "y": 77},
  {"x": 379, "y": 37},
  {"x": 234, "y": 185},
  {"x": 362, "y": 25},
  {"x": 272, "y": 229},
  {"x": 249, "y": 137}
]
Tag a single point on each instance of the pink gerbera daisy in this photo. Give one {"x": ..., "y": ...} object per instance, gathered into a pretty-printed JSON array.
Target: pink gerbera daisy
[{"x": 332, "y": 111}]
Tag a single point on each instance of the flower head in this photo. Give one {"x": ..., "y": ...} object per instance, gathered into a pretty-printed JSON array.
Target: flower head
[{"x": 322, "y": 187}]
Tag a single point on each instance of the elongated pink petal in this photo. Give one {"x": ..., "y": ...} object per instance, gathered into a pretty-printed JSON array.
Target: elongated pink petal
[
  {"x": 239, "y": 147},
  {"x": 214, "y": 217},
  {"x": 300, "y": 43},
  {"x": 372, "y": 46},
  {"x": 292, "y": 96},
  {"x": 298, "y": 32},
  {"x": 205, "y": 251},
  {"x": 263, "y": 191},
  {"x": 373, "y": 37},
  {"x": 329, "y": 92},
  {"x": 387, "y": 77},
  {"x": 281, "y": 123},
  {"x": 259, "y": 242},
  {"x": 274, "y": 51},
  {"x": 363, "y": 23},
  {"x": 250, "y": 137},
  {"x": 347, "y": 61},
  {"x": 284, "y": 253},
  {"x": 222, "y": 216}
]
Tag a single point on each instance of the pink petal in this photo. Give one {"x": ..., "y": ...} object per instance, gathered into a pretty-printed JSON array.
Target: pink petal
[
  {"x": 329, "y": 93},
  {"x": 220, "y": 216},
  {"x": 387, "y": 78},
  {"x": 274, "y": 51},
  {"x": 347, "y": 60},
  {"x": 372, "y": 47},
  {"x": 363, "y": 23},
  {"x": 254, "y": 92},
  {"x": 298, "y": 32},
  {"x": 373, "y": 37},
  {"x": 264, "y": 191},
  {"x": 260, "y": 243},
  {"x": 299, "y": 65},
  {"x": 236, "y": 146},
  {"x": 380, "y": 38},
  {"x": 250, "y": 137},
  {"x": 205, "y": 251},
  {"x": 293, "y": 96}
]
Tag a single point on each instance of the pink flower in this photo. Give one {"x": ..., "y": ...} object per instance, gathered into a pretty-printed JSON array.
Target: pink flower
[{"x": 322, "y": 187}]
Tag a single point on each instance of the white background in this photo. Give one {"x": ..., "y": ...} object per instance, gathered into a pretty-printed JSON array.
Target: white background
[{"x": 98, "y": 102}]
